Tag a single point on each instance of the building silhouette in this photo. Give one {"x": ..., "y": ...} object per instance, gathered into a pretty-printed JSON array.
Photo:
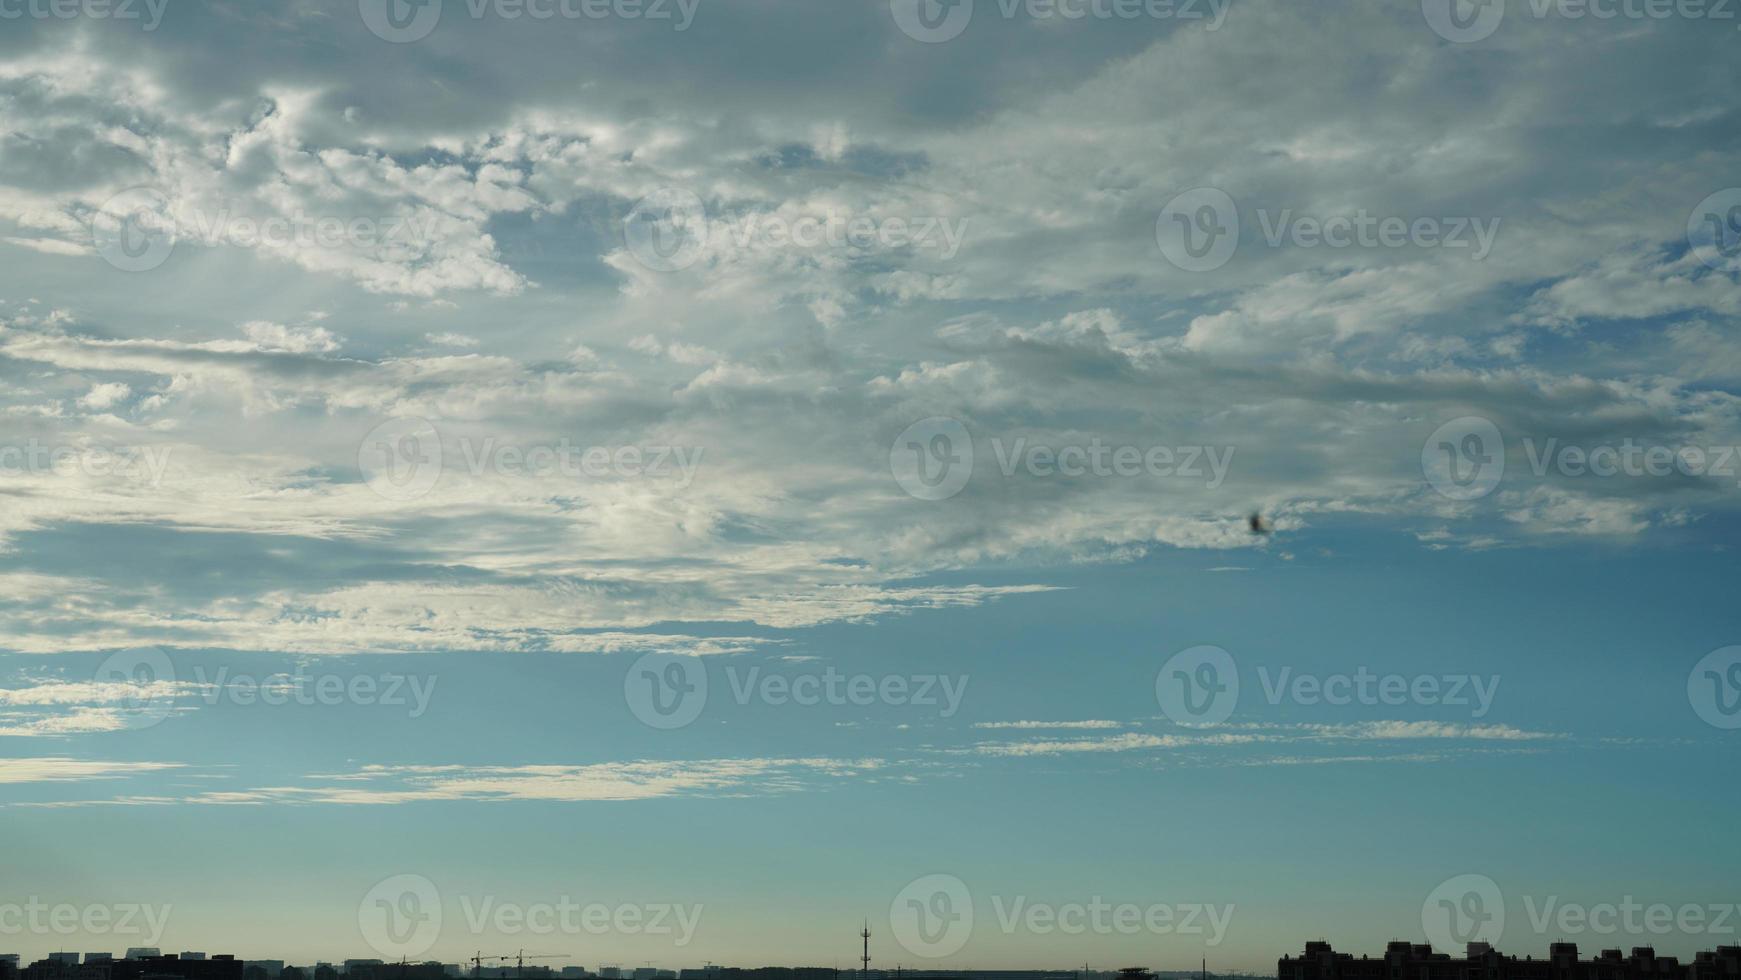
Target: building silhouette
[
  {"x": 1406, "y": 961},
  {"x": 103, "y": 966}
]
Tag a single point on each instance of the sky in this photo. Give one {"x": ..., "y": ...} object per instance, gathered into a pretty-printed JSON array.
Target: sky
[{"x": 656, "y": 482}]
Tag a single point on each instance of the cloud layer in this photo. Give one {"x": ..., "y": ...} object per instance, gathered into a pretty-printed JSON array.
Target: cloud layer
[{"x": 352, "y": 252}]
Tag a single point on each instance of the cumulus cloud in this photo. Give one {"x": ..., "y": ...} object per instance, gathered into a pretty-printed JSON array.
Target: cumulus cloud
[{"x": 984, "y": 252}]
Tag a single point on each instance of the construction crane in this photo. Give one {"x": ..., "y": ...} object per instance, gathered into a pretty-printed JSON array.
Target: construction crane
[
  {"x": 519, "y": 959},
  {"x": 522, "y": 956}
]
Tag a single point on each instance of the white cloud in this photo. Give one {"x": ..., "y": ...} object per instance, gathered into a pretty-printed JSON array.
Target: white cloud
[
  {"x": 104, "y": 395},
  {"x": 61, "y": 769},
  {"x": 297, "y": 340},
  {"x": 1092, "y": 723},
  {"x": 1058, "y": 323}
]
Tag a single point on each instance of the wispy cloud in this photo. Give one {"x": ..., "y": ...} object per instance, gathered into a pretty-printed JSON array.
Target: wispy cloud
[
  {"x": 60, "y": 708},
  {"x": 379, "y": 785},
  {"x": 61, "y": 769},
  {"x": 1266, "y": 734},
  {"x": 1090, "y": 723}
]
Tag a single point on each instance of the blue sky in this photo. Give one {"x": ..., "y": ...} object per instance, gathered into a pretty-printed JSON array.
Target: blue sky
[{"x": 400, "y": 425}]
